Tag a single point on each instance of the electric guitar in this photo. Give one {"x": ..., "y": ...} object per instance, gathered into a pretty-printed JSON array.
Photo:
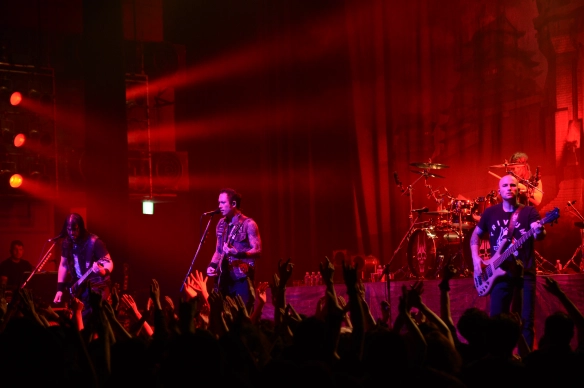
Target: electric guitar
[
  {"x": 76, "y": 287},
  {"x": 225, "y": 256},
  {"x": 491, "y": 268}
]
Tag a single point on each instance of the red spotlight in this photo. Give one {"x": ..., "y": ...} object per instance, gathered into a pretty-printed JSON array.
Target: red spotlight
[
  {"x": 19, "y": 140},
  {"x": 15, "y": 98},
  {"x": 15, "y": 181}
]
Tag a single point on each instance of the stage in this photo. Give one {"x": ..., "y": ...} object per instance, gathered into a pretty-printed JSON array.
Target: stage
[{"x": 462, "y": 296}]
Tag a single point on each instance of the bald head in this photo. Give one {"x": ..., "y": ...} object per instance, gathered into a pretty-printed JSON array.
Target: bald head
[{"x": 508, "y": 188}]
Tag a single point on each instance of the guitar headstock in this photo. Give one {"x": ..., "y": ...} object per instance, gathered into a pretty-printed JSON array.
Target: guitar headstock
[{"x": 551, "y": 217}]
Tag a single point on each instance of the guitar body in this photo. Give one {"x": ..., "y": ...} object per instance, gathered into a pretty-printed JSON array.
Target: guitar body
[
  {"x": 503, "y": 260},
  {"x": 490, "y": 272},
  {"x": 78, "y": 287},
  {"x": 224, "y": 260}
]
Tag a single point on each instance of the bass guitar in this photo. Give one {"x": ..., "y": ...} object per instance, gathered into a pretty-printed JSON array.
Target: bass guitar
[{"x": 491, "y": 268}]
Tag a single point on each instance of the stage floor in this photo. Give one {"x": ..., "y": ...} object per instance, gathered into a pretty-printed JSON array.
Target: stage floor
[{"x": 462, "y": 296}]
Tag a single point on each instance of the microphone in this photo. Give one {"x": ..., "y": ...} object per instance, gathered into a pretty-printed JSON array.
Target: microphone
[
  {"x": 216, "y": 211},
  {"x": 571, "y": 203},
  {"x": 397, "y": 182},
  {"x": 422, "y": 210},
  {"x": 55, "y": 238}
]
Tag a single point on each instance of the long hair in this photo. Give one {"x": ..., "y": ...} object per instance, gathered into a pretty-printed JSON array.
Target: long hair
[{"x": 74, "y": 219}]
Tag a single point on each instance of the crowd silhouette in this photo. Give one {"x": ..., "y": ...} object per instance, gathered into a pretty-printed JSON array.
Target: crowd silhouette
[{"x": 210, "y": 339}]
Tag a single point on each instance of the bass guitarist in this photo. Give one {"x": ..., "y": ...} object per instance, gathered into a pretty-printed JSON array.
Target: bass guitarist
[
  {"x": 503, "y": 223},
  {"x": 85, "y": 261},
  {"x": 236, "y": 250}
]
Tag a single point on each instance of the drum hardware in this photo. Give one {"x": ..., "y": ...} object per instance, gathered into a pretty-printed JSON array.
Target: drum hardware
[
  {"x": 505, "y": 165},
  {"x": 580, "y": 248},
  {"x": 427, "y": 174},
  {"x": 429, "y": 165},
  {"x": 408, "y": 191}
]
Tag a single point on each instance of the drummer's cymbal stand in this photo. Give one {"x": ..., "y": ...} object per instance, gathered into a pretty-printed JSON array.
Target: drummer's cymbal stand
[
  {"x": 405, "y": 270},
  {"x": 579, "y": 225}
]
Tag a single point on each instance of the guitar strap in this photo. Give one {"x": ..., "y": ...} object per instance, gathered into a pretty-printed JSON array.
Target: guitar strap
[
  {"x": 518, "y": 268},
  {"x": 513, "y": 221}
]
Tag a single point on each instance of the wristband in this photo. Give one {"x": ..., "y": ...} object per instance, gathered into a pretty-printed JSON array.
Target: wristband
[
  {"x": 61, "y": 286},
  {"x": 444, "y": 286}
]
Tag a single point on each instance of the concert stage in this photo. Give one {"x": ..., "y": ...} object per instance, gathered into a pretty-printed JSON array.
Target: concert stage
[{"x": 462, "y": 296}]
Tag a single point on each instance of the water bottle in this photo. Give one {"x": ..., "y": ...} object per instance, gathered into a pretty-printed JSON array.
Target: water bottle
[
  {"x": 318, "y": 279},
  {"x": 313, "y": 279},
  {"x": 307, "y": 279},
  {"x": 559, "y": 266}
]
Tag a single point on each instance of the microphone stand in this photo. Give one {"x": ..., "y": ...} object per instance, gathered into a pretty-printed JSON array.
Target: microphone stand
[
  {"x": 40, "y": 265},
  {"x": 197, "y": 252}
]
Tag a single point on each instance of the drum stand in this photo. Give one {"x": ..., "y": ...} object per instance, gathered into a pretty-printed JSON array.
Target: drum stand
[
  {"x": 580, "y": 249},
  {"x": 405, "y": 269},
  {"x": 540, "y": 261}
]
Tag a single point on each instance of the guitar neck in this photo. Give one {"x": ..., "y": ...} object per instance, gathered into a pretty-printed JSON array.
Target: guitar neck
[{"x": 513, "y": 247}]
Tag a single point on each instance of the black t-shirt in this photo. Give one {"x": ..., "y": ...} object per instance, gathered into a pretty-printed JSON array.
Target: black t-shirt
[
  {"x": 14, "y": 271},
  {"x": 495, "y": 221}
]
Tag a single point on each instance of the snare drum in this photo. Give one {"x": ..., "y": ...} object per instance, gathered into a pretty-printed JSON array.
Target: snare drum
[{"x": 429, "y": 249}]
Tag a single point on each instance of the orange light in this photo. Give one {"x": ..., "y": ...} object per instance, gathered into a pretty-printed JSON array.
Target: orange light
[
  {"x": 15, "y": 98},
  {"x": 15, "y": 181},
  {"x": 19, "y": 140}
]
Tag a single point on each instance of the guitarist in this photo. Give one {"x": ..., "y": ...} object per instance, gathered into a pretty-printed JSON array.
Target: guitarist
[
  {"x": 236, "y": 250},
  {"x": 83, "y": 253},
  {"x": 515, "y": 289}
]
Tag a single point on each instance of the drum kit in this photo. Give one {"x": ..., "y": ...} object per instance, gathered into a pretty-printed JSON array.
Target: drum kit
[{"x": 443, "y": 239}]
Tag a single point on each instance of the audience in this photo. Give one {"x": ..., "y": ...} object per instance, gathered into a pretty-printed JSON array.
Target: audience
[{"x": 207, "y": 338}]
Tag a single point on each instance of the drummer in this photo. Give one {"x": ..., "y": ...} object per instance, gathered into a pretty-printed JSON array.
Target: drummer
[{"x": 530, "y": 186}]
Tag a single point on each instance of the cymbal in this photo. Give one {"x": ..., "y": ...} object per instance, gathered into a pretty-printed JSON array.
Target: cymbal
[
  {"x": 438, "y": 212},
  {"x": 431, "y": 166},
  {"x": 427, "y": 174},
  {"x": 578, "y": 224},
  {"x": 506, "y": 165}
]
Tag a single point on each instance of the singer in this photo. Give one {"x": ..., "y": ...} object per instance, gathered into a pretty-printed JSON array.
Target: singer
[
  {"x": 236, "y": 250},
  {"x": 530, "y": 186}
]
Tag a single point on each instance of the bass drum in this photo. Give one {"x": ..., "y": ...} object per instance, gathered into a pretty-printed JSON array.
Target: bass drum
[{"x": 430, "y": 249}]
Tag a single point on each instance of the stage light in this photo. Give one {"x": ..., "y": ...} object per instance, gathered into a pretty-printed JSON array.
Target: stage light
[
  {"x": 19, "y": 140},
  {"x": 15, "y": 181},
  {"x": 15, "y": 98},
  {"x": 147, "y": 207}
]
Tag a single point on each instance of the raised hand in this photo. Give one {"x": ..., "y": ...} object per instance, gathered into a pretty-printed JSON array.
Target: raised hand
[
  {"x": 155, "y": 294},
  {"x": 261, "y": 292},
  {"x": 189, "y": 288},
  {"x": 552, "y": 286},
  {"x": 128, "y": 302},
  {"x": 285, "y": 270},
  {"x": 415, "y": 294},
  {"x": 327, "y": 270}
]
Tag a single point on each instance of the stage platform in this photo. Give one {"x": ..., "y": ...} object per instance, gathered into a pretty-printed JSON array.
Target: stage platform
[{"x": 462, "y": 296}]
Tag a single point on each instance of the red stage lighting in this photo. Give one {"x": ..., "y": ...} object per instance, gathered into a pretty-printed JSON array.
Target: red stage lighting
[
  {"x": 15, "y": 98},
  {"x": 19, "y": 140},
  {"x": 15, "y": 181}
]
